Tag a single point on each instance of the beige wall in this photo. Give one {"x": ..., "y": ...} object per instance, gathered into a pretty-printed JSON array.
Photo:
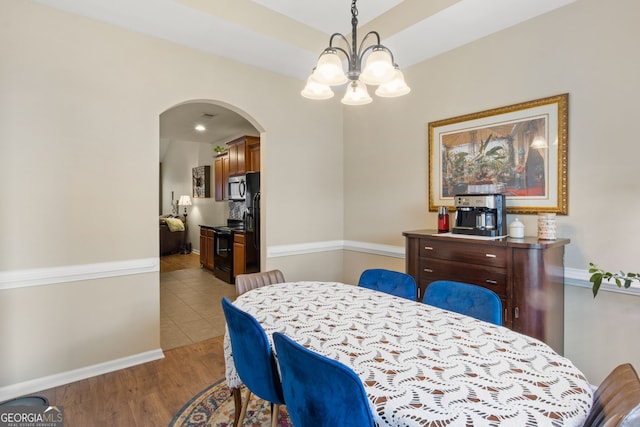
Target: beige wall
[
  {"x": 79, "y": 118},
  {"x": 585, "y": 49}
]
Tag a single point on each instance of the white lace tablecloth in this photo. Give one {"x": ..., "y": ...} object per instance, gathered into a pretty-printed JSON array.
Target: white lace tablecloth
[{"x": 422, "y": 366}]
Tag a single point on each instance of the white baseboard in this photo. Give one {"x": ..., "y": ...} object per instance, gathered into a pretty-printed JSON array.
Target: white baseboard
[{"x": 45, "y": 383}]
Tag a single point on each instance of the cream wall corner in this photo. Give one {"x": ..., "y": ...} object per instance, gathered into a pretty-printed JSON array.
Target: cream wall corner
[
  {"x": 79, "y": 125},
  {"x": 585, "y": 49}
]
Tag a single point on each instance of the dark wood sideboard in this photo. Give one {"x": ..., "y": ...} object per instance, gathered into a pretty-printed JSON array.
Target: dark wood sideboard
[{"x": 527, "y": 274}]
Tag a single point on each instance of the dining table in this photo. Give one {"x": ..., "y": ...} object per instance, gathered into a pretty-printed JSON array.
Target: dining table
[{"x": 422, "y": 365}]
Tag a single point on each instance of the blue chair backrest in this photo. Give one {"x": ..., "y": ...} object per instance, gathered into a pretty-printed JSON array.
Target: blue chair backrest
[
  {"x": 390, "y": 282},
  {"x": 252, "y": 355},
  {"x": 320, "y": 392},
  {"x": 464, "y": 298}
]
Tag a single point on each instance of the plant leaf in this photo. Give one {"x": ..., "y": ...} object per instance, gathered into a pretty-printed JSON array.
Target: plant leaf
[{"x": 596, "y": 285}]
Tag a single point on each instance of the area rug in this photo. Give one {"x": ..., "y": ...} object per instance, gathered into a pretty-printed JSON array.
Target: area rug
[{"x": 213, "y": 407}]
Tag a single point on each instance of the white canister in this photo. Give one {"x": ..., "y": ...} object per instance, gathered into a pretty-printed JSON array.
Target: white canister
[
  {"x": 547, "y": 226},
  {"x": 516, "y": 229}
]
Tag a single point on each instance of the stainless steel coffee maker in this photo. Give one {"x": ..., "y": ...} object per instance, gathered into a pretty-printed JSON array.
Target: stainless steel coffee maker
[{"x": 480, "y": 215}]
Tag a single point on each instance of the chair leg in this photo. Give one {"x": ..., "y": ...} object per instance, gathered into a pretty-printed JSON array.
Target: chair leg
[
  {"x": 237, "y": 404},
  {"x": 275, "y": 410},
  {"x": 243, "y": 412}
]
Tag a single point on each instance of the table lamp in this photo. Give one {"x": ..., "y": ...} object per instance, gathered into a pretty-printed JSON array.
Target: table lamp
[{"x": 185, "y": 201}]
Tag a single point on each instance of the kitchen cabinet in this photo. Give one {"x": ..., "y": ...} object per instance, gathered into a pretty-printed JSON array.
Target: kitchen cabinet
[
  {"x": 206, "y": 247},
  {"x": 254, "y": 156},
  {"x": 242, "y": 153},
  {"x": 239, "y": 254},
  {"x": 221, "y": 176},
  {"x": 527, "y": 274},
  {"x": 246, "y": 257}
]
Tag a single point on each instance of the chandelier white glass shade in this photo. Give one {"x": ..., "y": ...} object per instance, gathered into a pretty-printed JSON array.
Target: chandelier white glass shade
[{"x": 379, "y": 69}]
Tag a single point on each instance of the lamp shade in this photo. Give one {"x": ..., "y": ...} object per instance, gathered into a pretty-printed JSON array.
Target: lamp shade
[
  {"x": 184, "y": 201},
  {"x": 329, "y": 69},
  {"x": 378, "y": 68},
  {"x": 356, "y": 94},
  {"x": 395, "y": 87},
  {"x": 316, "y": 90}
]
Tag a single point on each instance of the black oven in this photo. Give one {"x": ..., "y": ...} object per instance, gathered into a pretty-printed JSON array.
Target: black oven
[
  {"x": 223, "y": 249},
  {"x": 223, "y": 253}
]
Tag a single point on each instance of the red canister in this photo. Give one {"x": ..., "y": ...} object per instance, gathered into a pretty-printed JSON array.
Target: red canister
[{"x": 443, "y": 219}]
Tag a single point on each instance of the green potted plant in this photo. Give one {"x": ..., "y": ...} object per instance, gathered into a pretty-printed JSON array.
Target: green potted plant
[
  {"x": 621, "y": 279},
  {"x": 220, "y": 150}
]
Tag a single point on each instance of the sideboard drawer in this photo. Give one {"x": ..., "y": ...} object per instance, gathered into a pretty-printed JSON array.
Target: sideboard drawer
[
  {"x": 482, "y": 254},
  {"x": 487, "y": 277}
]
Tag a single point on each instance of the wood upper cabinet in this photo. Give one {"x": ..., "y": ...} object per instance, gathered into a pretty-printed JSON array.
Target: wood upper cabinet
[
  {"x": 221, "y": 174},
  {"x": 254, "y": 155},
  {"x": 242, "y": 155},
  {"x": 527, "y": 274}
]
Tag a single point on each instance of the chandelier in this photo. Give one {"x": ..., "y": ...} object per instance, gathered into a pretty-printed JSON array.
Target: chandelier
[{"x": 379, "y": 70}]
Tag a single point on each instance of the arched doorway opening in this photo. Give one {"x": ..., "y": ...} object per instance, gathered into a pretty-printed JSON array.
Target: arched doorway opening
[{"x": 189, "y": 311}]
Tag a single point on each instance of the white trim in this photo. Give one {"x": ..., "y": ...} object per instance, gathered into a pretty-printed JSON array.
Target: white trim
[
  {"x": 304, "y": 248},
  {"x": 335, "y": 245},
  {"x": 73, "y": 273},
  {"x": 375, "y": 248},
  {"x": 45, "y": 383},
  {"x": 572, "y": 276},
  {"x": 580, "y": 278}
]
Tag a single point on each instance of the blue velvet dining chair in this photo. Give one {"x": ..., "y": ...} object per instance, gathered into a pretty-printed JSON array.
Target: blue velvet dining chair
[
  {"x": 320, "y": 392},
  {"x": 390, "y": 282},
  {"x": 253, "y": 359},
  {"x": 464, "y": 298}
]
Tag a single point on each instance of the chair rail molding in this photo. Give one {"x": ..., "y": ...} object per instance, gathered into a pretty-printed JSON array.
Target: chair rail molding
[
  {"x": 73, "y": 273},
  {"x": 572, "y": 276}
]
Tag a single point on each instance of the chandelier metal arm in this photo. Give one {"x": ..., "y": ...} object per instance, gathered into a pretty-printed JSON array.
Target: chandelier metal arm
[
  {"x": 364, "y": 39},
  {"x": 340, "y": 36},
  {"x": 329, "y": 70}
]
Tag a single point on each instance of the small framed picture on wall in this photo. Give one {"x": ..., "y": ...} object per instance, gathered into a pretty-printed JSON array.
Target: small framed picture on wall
[{"x": 201, "y": 181}]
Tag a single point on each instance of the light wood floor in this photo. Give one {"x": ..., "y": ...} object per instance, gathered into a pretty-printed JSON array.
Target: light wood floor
[
  {"x": 147, "y": 395},
  {"x": 177, "y": 262}
]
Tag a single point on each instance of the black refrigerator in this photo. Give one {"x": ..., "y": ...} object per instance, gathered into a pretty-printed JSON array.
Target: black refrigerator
[{"x": 252, "y": 218}]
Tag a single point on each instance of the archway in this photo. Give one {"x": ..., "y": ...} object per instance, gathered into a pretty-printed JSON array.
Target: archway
[{"x": 188, "y": 294}]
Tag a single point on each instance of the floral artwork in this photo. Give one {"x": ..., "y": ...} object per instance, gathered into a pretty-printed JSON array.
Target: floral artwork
[{"x": 519, "y": 151}]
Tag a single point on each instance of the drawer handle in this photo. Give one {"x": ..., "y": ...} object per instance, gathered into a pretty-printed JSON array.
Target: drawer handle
[
  {"x": 428, "y": 248},
  {"x": 491, "y": 282},
  {"x": 516, "y": 313},
  {"x": 490, "y": 255},
  {"x": 428, "y": 270}
]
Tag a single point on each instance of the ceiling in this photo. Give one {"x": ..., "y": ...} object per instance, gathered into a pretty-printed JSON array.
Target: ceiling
[{"x": 286, "y": 36}]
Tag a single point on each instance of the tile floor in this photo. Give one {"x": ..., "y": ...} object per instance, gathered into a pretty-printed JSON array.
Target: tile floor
[{"x": 190, "y": 309}]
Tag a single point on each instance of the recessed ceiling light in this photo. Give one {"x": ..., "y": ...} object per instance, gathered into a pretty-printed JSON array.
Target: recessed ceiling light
[{"x": 200, "y": 128}]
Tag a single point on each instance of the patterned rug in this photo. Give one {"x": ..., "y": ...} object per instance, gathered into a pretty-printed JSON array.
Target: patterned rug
[{"x": 213, "y": 407}]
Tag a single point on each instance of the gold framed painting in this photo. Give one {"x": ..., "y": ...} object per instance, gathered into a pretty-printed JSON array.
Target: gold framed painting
[{"x": 519, "y": 150}]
